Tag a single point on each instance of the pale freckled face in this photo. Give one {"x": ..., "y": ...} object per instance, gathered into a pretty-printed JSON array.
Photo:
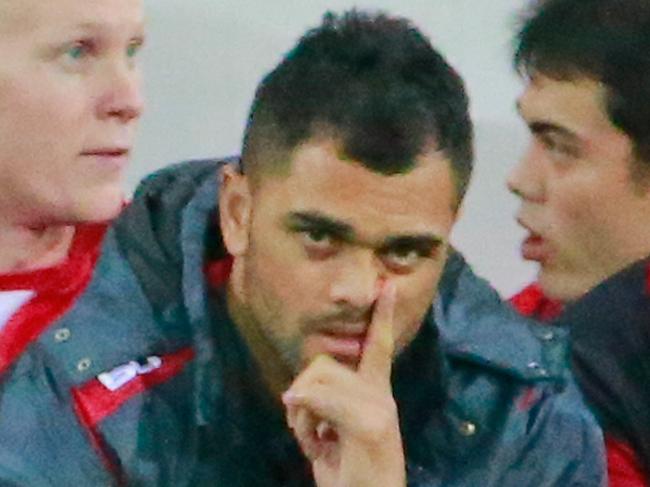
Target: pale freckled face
[
  {"x": 69, "y": 102},
  {"x": 303, "y": 279},
  {"x": 585, "y": 215}
]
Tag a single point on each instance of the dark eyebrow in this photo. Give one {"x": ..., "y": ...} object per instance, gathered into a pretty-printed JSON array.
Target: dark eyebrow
[
  {"x": 540, "y": 127},
  {"x": 546, "y": 128},
  {"x": 313, "y": 220},
  {"x": 424, "y": 243}
]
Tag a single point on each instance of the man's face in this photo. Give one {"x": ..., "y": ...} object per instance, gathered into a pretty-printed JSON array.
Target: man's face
[
  {"x": 584, "y": 214},
  {"x": 69, "y": 102},
  {"x": 321, "y": 240}
]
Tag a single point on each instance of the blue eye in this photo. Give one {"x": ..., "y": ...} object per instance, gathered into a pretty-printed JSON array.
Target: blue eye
[
  {"x": 133, "y": 48},
  {"x": 78, "y": 51}
]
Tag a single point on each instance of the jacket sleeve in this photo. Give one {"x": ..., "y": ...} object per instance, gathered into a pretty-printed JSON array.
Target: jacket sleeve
[{"x": 573, "y": 441}]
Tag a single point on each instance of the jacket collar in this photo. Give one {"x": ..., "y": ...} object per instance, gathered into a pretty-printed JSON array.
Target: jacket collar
[{"x": 476, "y": 325}]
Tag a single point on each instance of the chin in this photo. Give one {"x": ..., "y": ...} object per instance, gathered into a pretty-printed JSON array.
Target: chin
[
  {"x": 101, "y": 207},
  {"x": 563, "y": 288}
]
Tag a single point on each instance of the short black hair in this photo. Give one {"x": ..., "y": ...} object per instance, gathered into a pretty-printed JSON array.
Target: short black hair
[
  {"x": 607, "y": 41},
  {"x": 377, "y": 85}
]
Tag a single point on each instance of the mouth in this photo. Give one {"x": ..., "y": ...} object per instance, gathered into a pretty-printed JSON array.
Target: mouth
[
  {"x": 534, "y": 247},
  {"x": 344, "y": 344},
  {"x": 112, "y": 157}
]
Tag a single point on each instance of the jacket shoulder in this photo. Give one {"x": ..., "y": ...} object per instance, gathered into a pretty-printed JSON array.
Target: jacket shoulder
[
  {"x": 510, "y": 396},
  {"x": 149, "y": 230}
]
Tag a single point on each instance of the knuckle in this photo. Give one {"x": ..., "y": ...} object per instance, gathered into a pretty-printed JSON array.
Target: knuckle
[{"x": 382, "y": 423}]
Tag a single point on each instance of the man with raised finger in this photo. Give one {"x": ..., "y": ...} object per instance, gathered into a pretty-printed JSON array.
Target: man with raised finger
[
  {"x": 315, "y": 261},
  {"x": 344, "y": 417}
]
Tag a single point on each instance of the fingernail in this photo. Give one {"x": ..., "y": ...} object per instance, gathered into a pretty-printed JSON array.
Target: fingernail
[{"x": 289, "y": 397}]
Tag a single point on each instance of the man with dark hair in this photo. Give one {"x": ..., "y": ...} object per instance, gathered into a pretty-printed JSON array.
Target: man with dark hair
[
  {"x": 584, "y": 186},
  {"x": 387, "y": 67},
  {"x": 312, "y": 300}
]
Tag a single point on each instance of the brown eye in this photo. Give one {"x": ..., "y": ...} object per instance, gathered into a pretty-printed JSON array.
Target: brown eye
[
  {"x": 402, "y": 259},
  {"x": 557, "y": 148},
  {"x": 318, "y": 243}
]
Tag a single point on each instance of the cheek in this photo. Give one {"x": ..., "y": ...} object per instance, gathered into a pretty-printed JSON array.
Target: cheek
[
  {"x": 584, "y": 218},
  {"x": 574, "y": 210},
  {"x": 284, "y": 274},
  {"x": 38, "y": 123},
  {"x": 415, "y": 295}
]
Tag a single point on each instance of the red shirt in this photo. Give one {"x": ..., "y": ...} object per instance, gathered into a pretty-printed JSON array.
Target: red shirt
[{"x": 56, "y": 289}]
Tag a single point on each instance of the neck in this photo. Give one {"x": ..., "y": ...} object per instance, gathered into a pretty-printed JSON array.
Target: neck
[
  {"x": 275, "y": 373},
  {"x": 25, "y": 248}
]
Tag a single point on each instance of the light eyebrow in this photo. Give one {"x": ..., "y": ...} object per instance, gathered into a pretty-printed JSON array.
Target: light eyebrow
[{"x": 138, "y": 28}]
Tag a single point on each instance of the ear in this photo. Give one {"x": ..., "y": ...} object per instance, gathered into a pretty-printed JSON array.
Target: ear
[
  {"x": 235, "y": 203},
  {"x": 459, "y": 211}
]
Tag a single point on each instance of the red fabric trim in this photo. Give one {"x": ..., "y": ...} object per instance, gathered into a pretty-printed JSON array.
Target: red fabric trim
[
  {"x": 647, "y": 280},
  {"x": 110, "y": 461},
  {"x": 218, "y": 271},
  {"x": 531, "y": 302},
  {"x": 527, "y": 300},
  {"x": 623, "y": 467},
  {"x": 86, "y": 239},
  {"x": 527, "y": 400},
  {"x": 56, "y": 290},
  {"x": 94, "y": 402}
]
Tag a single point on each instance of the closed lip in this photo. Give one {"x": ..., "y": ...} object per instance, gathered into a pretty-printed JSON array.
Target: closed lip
[
  {"x": 344, "y": 330},
  {"x": 343, "y": 347},
  {"x": 107, "y": 151}
]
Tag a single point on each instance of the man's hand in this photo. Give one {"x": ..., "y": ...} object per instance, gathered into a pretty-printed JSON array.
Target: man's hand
[{"x": 346, "y": 421}]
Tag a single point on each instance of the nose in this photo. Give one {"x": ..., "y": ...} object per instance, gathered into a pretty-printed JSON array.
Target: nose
[
  {"x": 357, "y": 281},
  {"x": 526, "y": 179},
  {"x": 121, "y": 97}
]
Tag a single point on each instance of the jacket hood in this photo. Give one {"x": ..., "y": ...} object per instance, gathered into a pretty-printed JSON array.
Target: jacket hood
[{"x": 167, "y": 233}]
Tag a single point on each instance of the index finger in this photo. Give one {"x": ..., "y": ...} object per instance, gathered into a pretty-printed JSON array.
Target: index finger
[{"x": 377, "y": 358}]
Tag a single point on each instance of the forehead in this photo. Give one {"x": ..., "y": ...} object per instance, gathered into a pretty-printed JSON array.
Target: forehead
[
  {"x": 322, "y": 180},
  {"x": 578, "y": 105},
  {"x": 25, "y": 17}
]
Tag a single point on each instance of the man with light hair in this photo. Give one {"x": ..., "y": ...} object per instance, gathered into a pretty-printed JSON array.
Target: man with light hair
[{"x": 92, "y": 392}]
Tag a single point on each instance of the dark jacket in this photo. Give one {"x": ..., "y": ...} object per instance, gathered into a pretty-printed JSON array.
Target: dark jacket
[
  {"x": 485, "y": 398},
  {"x": 610, "y": 335}
]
